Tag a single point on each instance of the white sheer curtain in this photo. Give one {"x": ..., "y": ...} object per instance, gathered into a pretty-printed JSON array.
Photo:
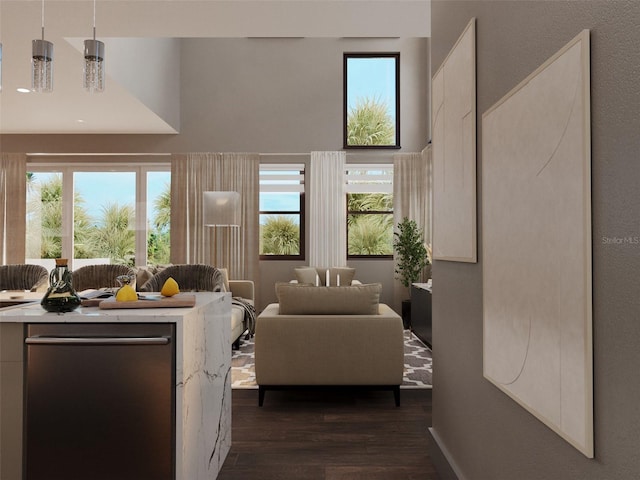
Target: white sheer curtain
[
  {"x": 13, "y": 206},
  {"x": 192, "y": 242},
  {"x": 412, "y": 180},
  {"x": 327, "y": 216}
]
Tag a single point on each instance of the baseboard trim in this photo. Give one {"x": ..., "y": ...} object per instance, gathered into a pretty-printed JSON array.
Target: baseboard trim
[{"x": 442, "y": 459}]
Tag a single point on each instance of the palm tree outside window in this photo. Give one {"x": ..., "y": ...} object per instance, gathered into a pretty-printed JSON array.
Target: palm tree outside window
[
  {"x": 282, "y": 212},
  {"x": 369, "y": 201},
  {"x": 111, "y": 213}
]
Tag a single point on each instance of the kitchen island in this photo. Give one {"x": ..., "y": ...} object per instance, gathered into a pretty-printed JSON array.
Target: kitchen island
[{"x": 202, "y": 403}]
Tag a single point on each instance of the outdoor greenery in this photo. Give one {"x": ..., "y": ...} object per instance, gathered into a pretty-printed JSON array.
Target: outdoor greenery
[
  {"x": 111, "y": 235},
  {"x": 159, "y": 239},
  {"x": 114, "y": 236},
  {"x": 45, "y": 222},
  {"x": 370, "y": 231},
  {"x": 369, "y": 123},
  {"x": 370, "y": 226},
  {"x": 411, "y": 252},
  {"x": 279, "y": 235}
]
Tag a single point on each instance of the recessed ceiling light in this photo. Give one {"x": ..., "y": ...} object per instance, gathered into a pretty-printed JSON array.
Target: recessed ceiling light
[
  {"x": 80, "y": 121},
  {"x": 23, "y": 90}
]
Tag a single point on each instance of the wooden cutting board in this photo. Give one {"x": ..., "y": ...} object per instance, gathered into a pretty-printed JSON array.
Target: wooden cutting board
[{"x": 152, "y": 301}]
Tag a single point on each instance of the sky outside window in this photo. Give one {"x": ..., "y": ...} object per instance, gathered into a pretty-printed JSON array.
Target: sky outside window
[{"x": 373, "y": 78}]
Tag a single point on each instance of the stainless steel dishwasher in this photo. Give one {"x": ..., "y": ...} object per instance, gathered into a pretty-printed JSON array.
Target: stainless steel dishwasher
[{"x": 99, "y": 402}]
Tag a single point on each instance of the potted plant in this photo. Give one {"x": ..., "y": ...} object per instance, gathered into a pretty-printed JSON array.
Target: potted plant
[{"x": 411, "y": 258}]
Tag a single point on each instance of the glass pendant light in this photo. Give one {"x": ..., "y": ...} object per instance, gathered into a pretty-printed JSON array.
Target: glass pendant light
[
  {"x": 42, "y": 63},
  {"x": 93, "y": 81}
]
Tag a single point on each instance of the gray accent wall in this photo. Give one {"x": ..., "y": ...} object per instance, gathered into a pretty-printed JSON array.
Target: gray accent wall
[{"x": 486, "y": 434}]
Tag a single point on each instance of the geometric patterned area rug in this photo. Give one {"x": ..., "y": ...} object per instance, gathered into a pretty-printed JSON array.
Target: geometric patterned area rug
[{"x": 417, "y": 364}]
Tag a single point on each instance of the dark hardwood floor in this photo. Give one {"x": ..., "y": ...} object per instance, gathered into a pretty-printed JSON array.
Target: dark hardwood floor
[{"x": 330, "y": 435}]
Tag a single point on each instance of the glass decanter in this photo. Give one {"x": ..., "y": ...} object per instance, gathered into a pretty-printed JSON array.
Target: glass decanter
[{"x": 60, "y": 297}]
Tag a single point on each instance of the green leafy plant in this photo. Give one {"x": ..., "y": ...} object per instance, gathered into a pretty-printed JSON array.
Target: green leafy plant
[
  {"x": 411, "y": 253},
  {"x": 368, "y": 123},
  {"x": 279, "y": 235}
]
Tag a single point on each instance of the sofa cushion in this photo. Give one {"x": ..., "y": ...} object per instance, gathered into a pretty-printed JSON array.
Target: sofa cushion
[
  {"x": 310, "y": 300},
  {"x": 145, "y": 272},
  {"x": 293, "y": 283},
  {"x": 237, "y": 320},
  {"x": 225, "y": 279},
  {"x": 306, "y": 275},
  {"x": 346, "y": 275}
]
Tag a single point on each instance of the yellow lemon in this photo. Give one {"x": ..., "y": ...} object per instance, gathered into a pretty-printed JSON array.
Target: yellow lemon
[
  {"x": 126, "y": 294},
  {"x": 170, "y": 288}
]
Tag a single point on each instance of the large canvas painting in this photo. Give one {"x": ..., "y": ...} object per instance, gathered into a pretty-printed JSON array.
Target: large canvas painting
[
  {"x": 536, "y": 221},
  {"x": 454, "y": 152}
]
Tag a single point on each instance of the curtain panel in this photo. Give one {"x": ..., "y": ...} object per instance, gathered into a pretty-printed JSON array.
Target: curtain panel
[
  {"x": 13, "y": 207},
  {"x": 327, "y": 216},
  {"x": 192, "y": 242},
  {"x": 412, "y": 197},
  {"x": 412, "y": 189}
]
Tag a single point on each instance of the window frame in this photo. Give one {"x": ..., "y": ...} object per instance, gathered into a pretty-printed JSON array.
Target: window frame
[
  {"x": 68, "y": 166},
  {"x": 385, "y": 187},
  {"x": 302, "y": 212},
  {"x": 370, "y": 55}
]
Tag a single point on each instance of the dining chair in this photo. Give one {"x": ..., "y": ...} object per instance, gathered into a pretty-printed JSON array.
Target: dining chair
[
  {"x": 190, "y": 277},
  {"x": 100, "y": 276},
  {"x": 24, "y": 276}
]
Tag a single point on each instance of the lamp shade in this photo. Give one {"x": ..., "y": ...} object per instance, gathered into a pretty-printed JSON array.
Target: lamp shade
[{"x": 221, "y": 209}]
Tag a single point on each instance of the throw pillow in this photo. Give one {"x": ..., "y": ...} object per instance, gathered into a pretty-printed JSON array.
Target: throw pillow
[
  {"x": 346, "y": 276},
  {"x": 145, "y": 272},
  {"x": 306, "y": 275},
  {"x": 351, "y": 300}
]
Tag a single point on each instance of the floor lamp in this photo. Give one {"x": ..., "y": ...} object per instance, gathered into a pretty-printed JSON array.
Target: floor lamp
[{"x": 222, "y": 210}]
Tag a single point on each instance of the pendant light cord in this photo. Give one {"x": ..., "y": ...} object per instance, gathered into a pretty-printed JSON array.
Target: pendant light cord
[
  {"x": 42, "y": 20},
  {"x": 94, "y": 19}
]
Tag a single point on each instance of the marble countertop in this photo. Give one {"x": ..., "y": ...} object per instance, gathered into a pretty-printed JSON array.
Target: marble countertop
[
  {"x": 33, "y": 312},
  {"x": 423, "y": 286}
]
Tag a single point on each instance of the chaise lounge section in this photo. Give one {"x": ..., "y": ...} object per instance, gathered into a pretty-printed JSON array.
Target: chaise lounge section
[
  {"x": 329, "y": 336},
  {"x": 207, "y": 278}
]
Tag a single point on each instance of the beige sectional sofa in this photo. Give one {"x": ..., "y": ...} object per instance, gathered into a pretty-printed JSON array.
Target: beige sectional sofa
[
  {"x": 239, "y": 288},
  {"x": 329, "y": 336}
]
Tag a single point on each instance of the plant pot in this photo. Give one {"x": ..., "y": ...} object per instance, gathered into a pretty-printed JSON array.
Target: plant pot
[{"x": 406, "y": 314}]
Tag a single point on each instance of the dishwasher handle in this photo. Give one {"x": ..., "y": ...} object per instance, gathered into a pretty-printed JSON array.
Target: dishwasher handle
[{"x": 52, "y": 340}]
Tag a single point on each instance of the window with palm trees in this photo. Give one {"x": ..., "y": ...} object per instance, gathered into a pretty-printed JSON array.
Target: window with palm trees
[
  {"x": 117, "y": 214},
  {"x": 371, "y": 100},
  {"x": 281, "y": 212},
  {"x": 369, "y": 211}
]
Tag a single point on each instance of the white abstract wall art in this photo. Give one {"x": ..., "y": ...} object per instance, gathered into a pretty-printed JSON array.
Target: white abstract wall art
[
  {"x": 454, "y": 152},
  {"x": 536, "y": 221}
]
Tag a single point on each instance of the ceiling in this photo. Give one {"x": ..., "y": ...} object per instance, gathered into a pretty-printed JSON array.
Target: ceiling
[{"x": 132, "y": 102}]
